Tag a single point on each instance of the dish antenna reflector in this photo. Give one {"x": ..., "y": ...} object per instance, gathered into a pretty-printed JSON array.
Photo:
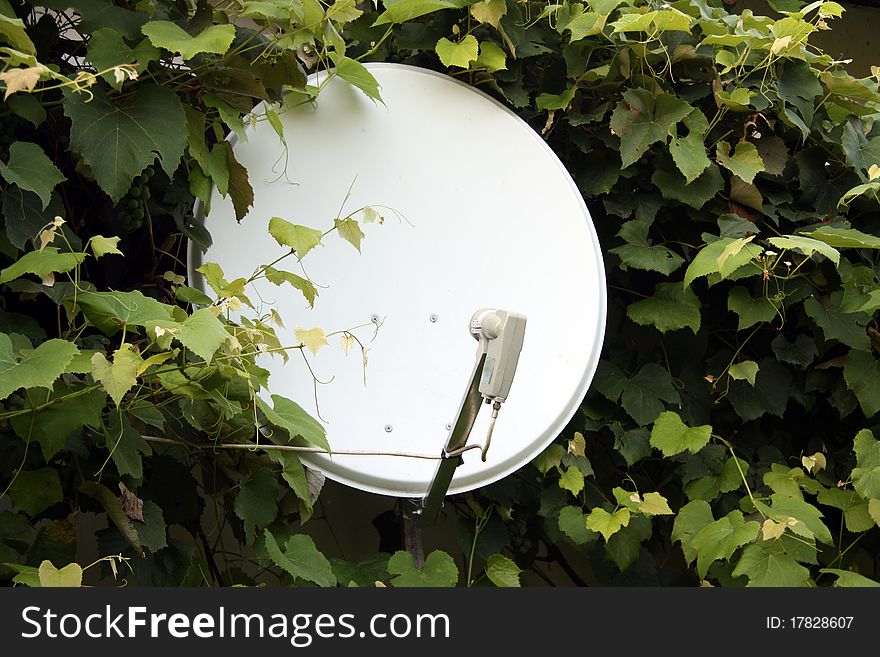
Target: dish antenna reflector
[{"x": 492, "y": 220}]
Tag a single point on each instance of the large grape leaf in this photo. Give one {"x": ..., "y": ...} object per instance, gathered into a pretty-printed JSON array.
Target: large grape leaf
[
  {"x": 866, "y": 474},
  {"x": 671, "y": 308},
  {"x": 301, "y": 559},
  {"x": 119, "y": 139},
  {"x": 215, "y": 39},
  {"x": 721, "y": 538},
  {"x": 642, "y": 119},
  {"x": 640, "y": 254},
  {"x": 766, "y": 565},
  {"x": 439, "y": 569},
  {"x": 256, "y": 503},
  {"x": 672, "y": 436},
  {"x": 36, "y": 369}
]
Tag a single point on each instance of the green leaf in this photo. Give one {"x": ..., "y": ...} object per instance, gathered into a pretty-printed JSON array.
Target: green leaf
[
  {"x": 710, "y": 487},
  {"x": 36, "y": 369},
  {"x": 625, "y": 547},
  {"x": 770, "y": 393},
  {"x": 848, "y": 328},
  {"x": 801, "y": 352},
  {"x": 721, "y": 538},
  {"x": 239, "y": 186},
  {"x": 301, "y": 559},
  {"x": 874, "y": 510},
  {"x": 572, "y": 480},
  {"x": 405, "y": 10},
  {"x": 642, "y": 119},
  {"x": 573, "y": 523},
  {"x": 202, "y": 333},
  {"x": 689, "y": 155},
  {"x": 745, "y": 161},
  {"x": 12, "y": 31},
  {"x": 549, "y": 458},
  {"x": 24, "y": 215},
  {"x": 34, "y": 491},
  {"x": 847, "y": 578},
  {"x": 558, "y": 101},
  {"x": 639, "y": 254},
  {"x": 586, "y": 24},
  {"x": 294, "y": 474},
  {"x": 643, "y": 395},
  {"x": 607, "y": 524},
  {"x": 51, "y": 426},
  {"x": 806, "y": 245},
  {"x": 69, "y": 576},
  {"x": 350, "y": 231},
  {"x": 126, "y": 445},
  {"x": 353, "y": 72},
  {"x": 114, "y": 511},
  {"x": 215, "y": 39},
  {"x": 102, "y": 246},
  {"x": 41, "y": 263},
  {"x": 439, "y": 569},
  {"x": 458, "y": 54},
  {"x": 492, "y": 57},
  {"x": 290, "y": 416},
  {"x": 489, "y": 11},
  {"x": 671, "y": 308},
  {"x": 709, "y": 259},
  {"x": 299, "y": 238},
  {"x": 152, "y": 531},
  {"x": 855, "y": 507},
  {"x": 745, "y": 370},
  {"x": 862, "y": 373},
  {"x": 31, "y": 170},
  {"x": 809, "y": 519},
  {"x": 120, "y": 376},
  {"x": 751, "y": 311},
  {"x": 696, "y": 194},
  {"x": 107, "y": 49},
  {"x": 502, "y": 572},
  {"x": 119, "y": 140},
  {"x": 110, "y": 311},
  {"x": 866, "y": 474},
  {"x": 845, "y": 238},
  {"x": 672, "y": 436},
  {"x": 691, "y": 518},
  {"x": 256, "y": 503},
  {"x": 766, "y": 565},
  {"x": 278, "y": 277}
]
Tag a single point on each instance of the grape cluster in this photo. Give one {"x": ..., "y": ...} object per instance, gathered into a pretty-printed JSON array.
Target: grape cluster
[{"x": 131, "y": 209}]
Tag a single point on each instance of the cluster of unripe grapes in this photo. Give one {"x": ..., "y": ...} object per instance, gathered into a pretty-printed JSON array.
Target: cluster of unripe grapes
[{"x": 131, "y": 209}]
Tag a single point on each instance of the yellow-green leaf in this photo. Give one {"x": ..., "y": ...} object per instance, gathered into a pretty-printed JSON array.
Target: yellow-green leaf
[
  {"x": 606, "y": 523},
  {"x": 654, "y": 504},
  {"x": 312, "y": 339},
  {"x": 69, "y": 576},
  {"x": 215, "y": 39},
  {"x": 120, "y": 376},
  {"x": 102, "y": 246},
  {"x": 459, "y": 54}
]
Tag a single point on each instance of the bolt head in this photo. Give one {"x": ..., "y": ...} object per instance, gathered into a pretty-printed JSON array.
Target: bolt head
[{"x": 388, "y": 428}]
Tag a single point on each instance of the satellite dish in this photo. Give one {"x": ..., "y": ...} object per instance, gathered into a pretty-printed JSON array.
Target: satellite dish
[{"x": 493, "y": 220}]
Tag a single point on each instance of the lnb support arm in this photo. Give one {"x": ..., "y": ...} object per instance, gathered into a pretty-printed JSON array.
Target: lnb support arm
[{"x": 500, "y": 335}]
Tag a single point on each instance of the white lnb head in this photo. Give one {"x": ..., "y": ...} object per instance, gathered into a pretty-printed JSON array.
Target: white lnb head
[{"x": 501, "y": 334}]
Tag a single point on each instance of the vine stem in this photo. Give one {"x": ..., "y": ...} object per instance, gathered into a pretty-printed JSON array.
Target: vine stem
[{"x": 292, "y": 448}]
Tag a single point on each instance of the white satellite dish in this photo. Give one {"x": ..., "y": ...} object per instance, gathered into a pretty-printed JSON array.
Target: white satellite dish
[{"x": 495, "y": 221}]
